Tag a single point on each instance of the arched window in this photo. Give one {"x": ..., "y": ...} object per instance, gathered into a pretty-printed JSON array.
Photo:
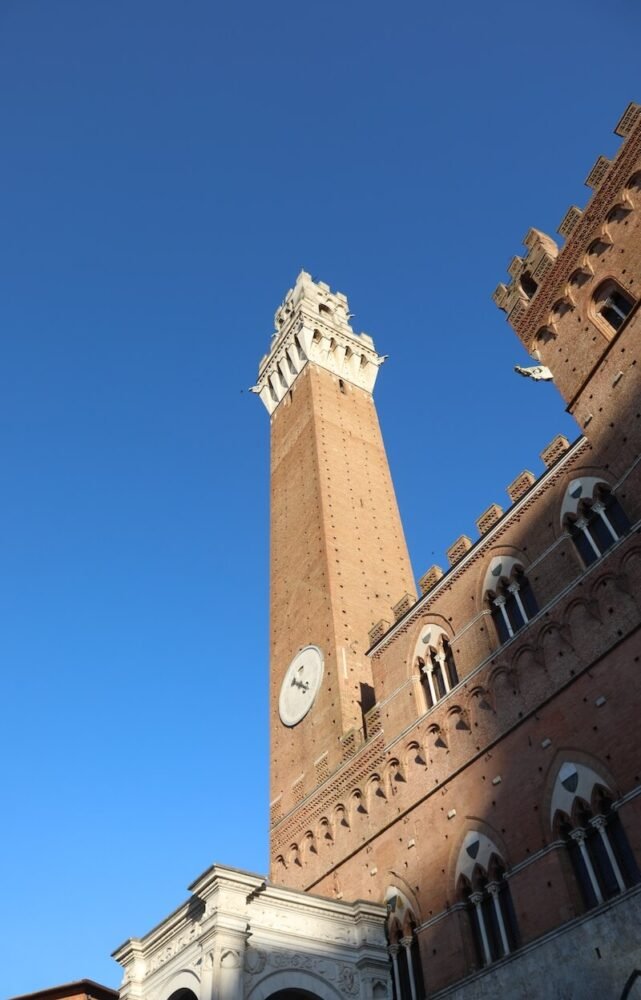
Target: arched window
[
  {"x": 435, "y": 663},
  {"x": 404, "y": 950},
  {"x": 612, "y": 305},
  {"x": 594, "y": 518},
  {"x": 583, "y": 812},
  {"x": 510, "y": 596},
  {"x": 484, "y": 887}
]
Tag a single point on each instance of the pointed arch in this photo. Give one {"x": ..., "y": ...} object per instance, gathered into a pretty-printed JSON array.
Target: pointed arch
[
  {"x": 581, "y": 812},
  {"x": 508, "y": 594},
  {"x": 481, "y": 883},
  {"x": 433, "y": 660}
]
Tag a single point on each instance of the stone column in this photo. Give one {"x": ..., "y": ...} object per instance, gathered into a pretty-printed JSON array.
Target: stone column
[
  {"x": 600, "y": 823},
  {"x": 599, "y": 508},
  {"x": 393, "y": 950},
  {"x": 477, "y": 899},
  {"x": 578, "y": 836},
  {"x": 514, "y": 590},
  {"x": 499, "y": 602},
  {"x": 582, "y": 524},
  {"x": 407, "y": 944},
  {"x": 494, "y": 888}
]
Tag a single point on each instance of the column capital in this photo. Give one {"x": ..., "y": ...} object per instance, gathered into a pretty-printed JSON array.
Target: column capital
[
  {"x": 493, "y": 888},
  {"x": 407, "y": 942},
  {"x": 499, "y": 601},
  {"x": 476, "y": 898},
  {"x": 578, "y": 835},
  {"x": 393, "y": 949},
  {"x": 599, "y": 822}
]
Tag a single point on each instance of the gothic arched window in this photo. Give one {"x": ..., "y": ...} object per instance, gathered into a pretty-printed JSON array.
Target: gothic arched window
[
  {"x": 594, "y": 518},
  {"x": 436, "y": 665},
  {"x": 404, "y": 950},
  {"x": 484, "y": 887},
  {"x": 510, "y": 597},
  {"x": 582, "y": 810}
]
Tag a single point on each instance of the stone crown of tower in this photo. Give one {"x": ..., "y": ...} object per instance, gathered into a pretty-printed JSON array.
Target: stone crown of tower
[{"x": 312, "y": 324}]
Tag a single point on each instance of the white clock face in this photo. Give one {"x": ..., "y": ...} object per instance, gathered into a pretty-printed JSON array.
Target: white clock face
[{"x": 300, "y": 685}]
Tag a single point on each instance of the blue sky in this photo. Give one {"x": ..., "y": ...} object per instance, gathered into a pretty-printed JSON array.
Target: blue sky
[{"x": 167, "y": 169}]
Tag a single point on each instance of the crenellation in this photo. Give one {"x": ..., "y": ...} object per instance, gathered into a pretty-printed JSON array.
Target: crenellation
[
  {"x": 598, "y": 173},
  {"x": 519, "y": 486},
  {"x": 427, "y": 581},
  {"x": 556, "y": 448},
  {"x": 489, "y": 518},
  {"x": 458, "y": 549},
  {"x": 401, "y": 607},
  {"x": 569, "y": 222},
  {"x": 378, "y": 630},
  {"x": 628, "y": 120}
]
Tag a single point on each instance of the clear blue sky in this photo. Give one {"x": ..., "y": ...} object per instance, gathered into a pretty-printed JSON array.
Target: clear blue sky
[{"x": 167, "y": 168}]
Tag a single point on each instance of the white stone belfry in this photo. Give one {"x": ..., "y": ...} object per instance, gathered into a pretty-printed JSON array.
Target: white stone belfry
[{"x": 313, "y": 325}]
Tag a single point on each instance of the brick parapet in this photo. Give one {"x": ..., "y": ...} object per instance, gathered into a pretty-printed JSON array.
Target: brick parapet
[{"x": 480, "y": 550}]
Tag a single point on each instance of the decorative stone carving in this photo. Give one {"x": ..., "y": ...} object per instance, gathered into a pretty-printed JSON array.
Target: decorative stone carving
[{"x": 255, "y": 961}]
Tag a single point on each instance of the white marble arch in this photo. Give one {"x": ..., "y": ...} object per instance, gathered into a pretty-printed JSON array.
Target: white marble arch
[
  {"x": 500, "y": 568},
  {"x": 578, "y": 490},
  {"x": 293, "y": 979},
  {"x": 573, "y": 781},
  {"x": 184, "y": 979}
]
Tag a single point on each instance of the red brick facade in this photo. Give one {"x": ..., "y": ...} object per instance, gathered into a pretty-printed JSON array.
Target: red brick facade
[{"x": 534, "y": 630}]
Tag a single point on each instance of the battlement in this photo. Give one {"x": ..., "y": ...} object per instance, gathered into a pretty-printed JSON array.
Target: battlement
[
  {"x": 531, "y": 295},
  {"x": 527, "y": 273},
  {"x": 313, "y": 324}
]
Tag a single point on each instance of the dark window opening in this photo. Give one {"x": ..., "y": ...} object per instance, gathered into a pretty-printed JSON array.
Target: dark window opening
[
  {"x": 613, "y": 304},
  {"x": 600, "y": 522},
  {"x": 513, "y": 605},
  {"x": 528, "y": 284}
]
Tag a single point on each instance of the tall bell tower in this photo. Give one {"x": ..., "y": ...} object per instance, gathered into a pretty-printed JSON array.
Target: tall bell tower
[{"x": 339, "y": 560}]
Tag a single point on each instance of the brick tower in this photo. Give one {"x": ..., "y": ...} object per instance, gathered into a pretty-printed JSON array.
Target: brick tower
[{"x": 338, "y": 554}]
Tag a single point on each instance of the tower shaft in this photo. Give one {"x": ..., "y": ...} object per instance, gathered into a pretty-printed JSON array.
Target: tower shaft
[{"x": 339, "y": 560}]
